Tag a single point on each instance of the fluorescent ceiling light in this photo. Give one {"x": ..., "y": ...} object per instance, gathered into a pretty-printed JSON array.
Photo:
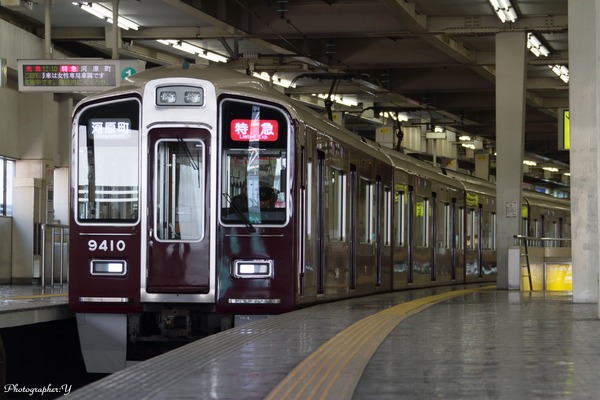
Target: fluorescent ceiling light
[
  {"x": 464, "y": 138},
  {"x": 530, "y": 163},
  {"x": 195, "y": 50},
  {"x": 276, "y": 81},
  {"x": 339, "y": 100},
  {"x": 505, "y": 10},
  {"x": 550, "y": 169},
  {"x": 535, "y": 46},
  {"x": 106, "y": 14},
  {"x": 561, "y": 71}
]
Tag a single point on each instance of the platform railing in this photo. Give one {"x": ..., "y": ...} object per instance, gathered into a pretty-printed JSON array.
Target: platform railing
[
  {"x": 543, "y": 251},
  {"x": 54, "y": 230}
]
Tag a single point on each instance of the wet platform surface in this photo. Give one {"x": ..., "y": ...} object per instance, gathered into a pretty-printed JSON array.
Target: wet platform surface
[
  {"x": 449, "y": 343},
  {"x": 30, "y": 304}
]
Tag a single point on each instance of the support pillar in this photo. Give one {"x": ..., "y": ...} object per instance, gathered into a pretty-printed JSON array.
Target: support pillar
[
  {"x": 584, "y": 89},
  {"x": 511, "y": 52}
]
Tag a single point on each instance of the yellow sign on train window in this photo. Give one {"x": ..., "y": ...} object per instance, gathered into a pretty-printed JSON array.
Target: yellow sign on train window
[
  {"x": 420, "y": 209},
  {"x": 472, "y": 199},
  {"x": 399, "y": 187}
]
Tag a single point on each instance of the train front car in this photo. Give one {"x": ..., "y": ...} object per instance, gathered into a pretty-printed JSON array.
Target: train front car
[
  {"x": 181, "y": 211},
  {"x": 255, "y": 251}
]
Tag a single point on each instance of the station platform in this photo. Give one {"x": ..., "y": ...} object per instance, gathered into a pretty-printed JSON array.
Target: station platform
[
  {"x": 452, "y": 343},
  {"x": 30, "y": 304}
]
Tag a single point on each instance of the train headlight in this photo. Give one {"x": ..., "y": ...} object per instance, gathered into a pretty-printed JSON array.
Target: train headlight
[
  {"x": 108, "y": 267},
  {"x": 193, "y": 97},
  {"x": 167, "y": 97},
  {"x": 179, "y": 96},
  {"x": 253, "y": 268}
]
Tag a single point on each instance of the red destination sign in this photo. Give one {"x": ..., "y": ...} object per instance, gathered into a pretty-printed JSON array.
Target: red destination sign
[{"x": 246, "y": 130}]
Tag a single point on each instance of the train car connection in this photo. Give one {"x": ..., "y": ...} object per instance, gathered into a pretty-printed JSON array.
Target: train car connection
[{"x": 202, "y": 198}]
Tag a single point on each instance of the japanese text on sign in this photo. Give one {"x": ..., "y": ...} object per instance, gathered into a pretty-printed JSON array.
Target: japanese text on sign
[
  {"x": 254, "y": 130},
  {"x": 110, "y": 129},
  {"x": 69, "y": 75}
]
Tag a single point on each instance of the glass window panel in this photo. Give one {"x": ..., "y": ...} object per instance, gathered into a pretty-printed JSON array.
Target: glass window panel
[
  {"x": 336, "y": 193},
  {"x": 365, "y": 211},
  {"x": 2, "y": 187},
  {"x": 472, "y": 229},
  {"x": 489, "y": 231},
  {"x": 387, "y": 216},
  {"x": 254, "y": 144},
  {"x": 401, "y": 204},
  {"x": 10, "y": 175},
  {"x": 180, "y": 190},
  {"x": 422, "y": 217},
  {"x": 460, "y": 240},
  {"x": 108, "y": 163}
]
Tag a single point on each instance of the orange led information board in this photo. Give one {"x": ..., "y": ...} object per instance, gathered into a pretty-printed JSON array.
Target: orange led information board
[{"x": 73, "y": 75}]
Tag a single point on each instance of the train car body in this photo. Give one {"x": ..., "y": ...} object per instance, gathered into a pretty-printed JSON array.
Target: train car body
[{"x": 201, "y": 198}]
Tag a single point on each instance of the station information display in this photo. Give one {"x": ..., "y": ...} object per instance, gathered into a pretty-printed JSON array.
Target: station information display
[{"x": 73, "y": 75}]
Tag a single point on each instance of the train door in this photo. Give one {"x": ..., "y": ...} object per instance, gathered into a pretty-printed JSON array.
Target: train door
[
  {"x": 320, "y": 219},
  {"x": 421, "y": 236},
  {"x": 400, "y": 231},
  {"x": 472, "y": 255},
  {"x": 353, "y": 216},
  {"x": 178, "y": 245},
  {"x": 366, "y": 240}
]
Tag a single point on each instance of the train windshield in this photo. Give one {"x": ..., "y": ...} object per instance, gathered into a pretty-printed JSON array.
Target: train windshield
[
  {"x": 254, "y": 144},
  {"x": 107, "y": 159}
]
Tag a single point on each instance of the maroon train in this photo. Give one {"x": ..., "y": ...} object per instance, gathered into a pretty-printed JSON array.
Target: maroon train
[{"x": 202, "y": 198}]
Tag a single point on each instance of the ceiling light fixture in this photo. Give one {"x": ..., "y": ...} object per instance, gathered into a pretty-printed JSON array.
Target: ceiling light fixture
[
  {"x": 550, "y": 169},
  {"x": 561, "y": 71},
  {"x": 195, "y": 50},
  {"x": 535, "y": 46},
  {"x": 285, "y": 83},
  {"x": 106, "y": 14},
  {"x": 339, "y": 100},
  {"x": 505, "y": 10}
]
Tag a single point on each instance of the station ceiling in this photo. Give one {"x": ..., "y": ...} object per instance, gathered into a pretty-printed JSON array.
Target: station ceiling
[{"x": 433, "y": 60}]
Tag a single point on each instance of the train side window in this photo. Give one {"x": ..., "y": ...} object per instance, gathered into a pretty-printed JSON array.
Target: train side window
[
  {"x": 472, "y": 228},
  {"x": 310, "y": 183},
  {"x": 401, "y": 202},
  {"x": 387, "y": 216},
  {"x": 537, "y": 228},
  {"x": 460, "y": 232},
  {"x": 489, "y": 231},
  {"x": 365, "y": 211},
  {"x": 336, "y": 204},
  {"x": 446, "y": 227},
  {"x": 422, "y": 218}
]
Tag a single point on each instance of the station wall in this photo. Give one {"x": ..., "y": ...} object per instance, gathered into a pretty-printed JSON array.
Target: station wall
[{"x": 35, "y": 131}]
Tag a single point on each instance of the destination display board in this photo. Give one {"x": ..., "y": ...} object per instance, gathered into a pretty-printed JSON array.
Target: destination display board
[{"x": 73, "y": 75}]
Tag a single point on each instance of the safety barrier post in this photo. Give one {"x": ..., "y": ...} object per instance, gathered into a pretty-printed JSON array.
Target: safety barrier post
[{"x": 62, "y": 247}]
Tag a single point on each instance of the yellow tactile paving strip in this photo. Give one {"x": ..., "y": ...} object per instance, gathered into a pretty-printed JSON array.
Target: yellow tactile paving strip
[{"x": 336, "y": 366}]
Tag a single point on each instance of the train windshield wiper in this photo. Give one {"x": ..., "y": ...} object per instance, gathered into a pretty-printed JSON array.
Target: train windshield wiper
[{"x": 239, "y": 213}]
